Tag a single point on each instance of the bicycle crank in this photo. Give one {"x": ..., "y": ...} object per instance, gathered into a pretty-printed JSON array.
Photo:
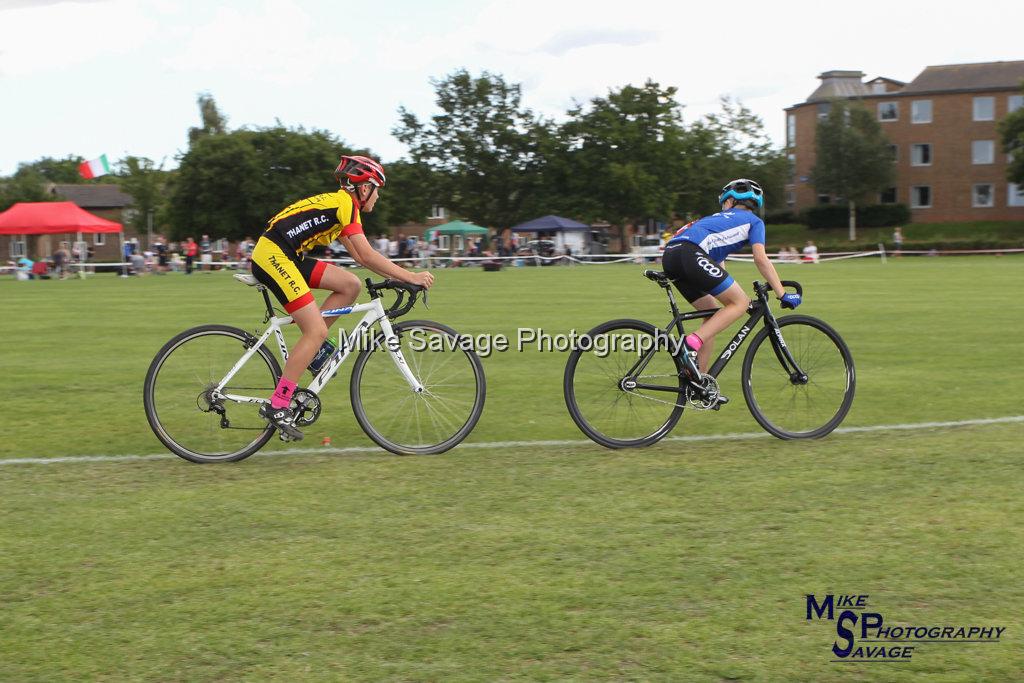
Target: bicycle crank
[
  {"x": 306, "y": 405},
  {"x": 704, "y": 397}
]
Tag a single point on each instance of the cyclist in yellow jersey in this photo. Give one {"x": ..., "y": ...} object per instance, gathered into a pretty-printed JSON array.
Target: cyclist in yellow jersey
[{"x": 279, "y": 261}]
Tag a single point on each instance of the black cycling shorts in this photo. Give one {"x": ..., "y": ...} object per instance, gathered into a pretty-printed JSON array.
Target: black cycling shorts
[{"x": 693, "y": 272}]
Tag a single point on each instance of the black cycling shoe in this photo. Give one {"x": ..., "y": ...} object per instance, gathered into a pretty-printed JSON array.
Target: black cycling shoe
[
  {"x": 283, "y": 419},
  {"x": 722, "y": 400}
]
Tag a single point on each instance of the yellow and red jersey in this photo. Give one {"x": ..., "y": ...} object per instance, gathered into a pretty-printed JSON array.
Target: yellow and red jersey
[{"x": 319, "y": 219}]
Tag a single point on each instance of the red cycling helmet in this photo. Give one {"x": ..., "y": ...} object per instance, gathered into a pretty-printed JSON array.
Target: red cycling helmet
[{"x": 355, "y": 170}]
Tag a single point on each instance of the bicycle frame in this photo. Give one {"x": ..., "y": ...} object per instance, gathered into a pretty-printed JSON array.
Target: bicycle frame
[
  {"x": 373, "y": 313},
  {"x": 758, "y": 310}
]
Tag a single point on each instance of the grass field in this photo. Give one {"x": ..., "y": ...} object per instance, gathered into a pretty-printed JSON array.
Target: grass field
[{"x": 688, "y": 560}]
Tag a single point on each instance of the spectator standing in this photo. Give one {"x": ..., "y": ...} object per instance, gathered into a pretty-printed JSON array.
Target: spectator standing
[
  {"x": 403, "y": 246},
  {"x": 392, "y": 249},
  {"x": 897, "y": 238},
  {"x": 191, "y": 250},
  {"x": 381, "y": 245},
  {"x": 60, "y": 258},
  {"x": 206, "y": 252},
  {"x": 25, "y": 268},
  {"x": 160, "y": 247}
]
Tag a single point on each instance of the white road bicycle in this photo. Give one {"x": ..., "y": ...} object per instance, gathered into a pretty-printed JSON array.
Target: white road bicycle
[{"x": 416, "y": 387}]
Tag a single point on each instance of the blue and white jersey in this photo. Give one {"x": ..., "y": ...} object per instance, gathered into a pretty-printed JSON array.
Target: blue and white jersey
[{"x": 722, "y": 233}]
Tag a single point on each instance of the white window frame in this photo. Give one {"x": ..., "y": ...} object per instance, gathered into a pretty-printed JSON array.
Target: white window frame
[
  {"x": 1013, "y": 103},
  {"x": 991, "y": 156},
  {"x": 442, "y": 242},
  {"x": 913, "y": 197},
  {"x": 882, "y": 107},
  {"x": 895, "y": 153},
  {"x": 895, "y": 196},
  {"x": 1014, "y": 194},
  {"x": 913, "y": 161},
  {"x": 438, "y": 211},
  {"x": 978, "y": 100},
  {"x": 991, "y": 196},
  {"x": 99, "y": 239},
  {"x": 791, "y": 130},
  {"x": 914, "y": 117},
  {"x": 18, "y": 247},
  {"x": 790, "y": 198}
]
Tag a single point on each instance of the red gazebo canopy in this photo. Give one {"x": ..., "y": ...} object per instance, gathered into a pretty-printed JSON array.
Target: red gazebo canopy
[{"x": 48, "y": 218}]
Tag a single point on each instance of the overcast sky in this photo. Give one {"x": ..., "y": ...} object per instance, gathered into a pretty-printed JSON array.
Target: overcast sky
[{"x": 120, "y": 77}]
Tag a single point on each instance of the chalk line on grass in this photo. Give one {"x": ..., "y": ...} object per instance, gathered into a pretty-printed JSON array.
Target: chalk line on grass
[{"x": 522, "y": 444}]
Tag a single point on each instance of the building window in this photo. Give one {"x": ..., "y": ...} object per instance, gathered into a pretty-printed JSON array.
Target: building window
[
  {"x": 887, "y": 196},
  {"x": 888, "y": 111},
  {"x": 984, "y": 108},
  {"x": 791, "y": 158},
  {"x": 442, "y": 242},
  {"x": 790, "y": 198},
  {"x": 1014, "y": 195},
  {"x": 894, "y": 152},
  {"x": 1013, "y": 103},
  {"x": 99, "y": 239},
  {"x": 921, "y": 111},
  {"x": 878, "y": 88},
  {"x": 983, "y": 151},
  {"x": 824, "y": 199},
  {"x": 920, "y": 196},
  {"x": 921, "y": 154},
  {"x": 823, "y": 109},
  {"x": 982, "y": 196},
  {"x": 18, "y": 248},
  {"x": 791, "y": 130},
  {"x": 437, "y": 211}
]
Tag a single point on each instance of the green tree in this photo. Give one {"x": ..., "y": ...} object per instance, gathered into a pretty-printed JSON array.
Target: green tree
[
  {"x": 64, "y": 171},
  {"x": 727, "y": 145},
  {"x": 145, "y": 183},
  {"x": 229, "y": 185},
  {"x": 24, "y": 186},
  {"x": 213, "y": 122},
  {"x": 622, "y": 155},
  {"x": 853, "y": 158},
  {"x": 482, "y": 148},
  {"x": 1011, "y": 133}
]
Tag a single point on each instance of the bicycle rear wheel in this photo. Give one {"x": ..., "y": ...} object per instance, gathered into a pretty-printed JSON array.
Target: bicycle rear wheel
[
  {"x": 598, "y": 391},
  {"x": 179, "y": 406},
  {"x": 793, "y": 408},
  {"x": 434, "y": 420}
]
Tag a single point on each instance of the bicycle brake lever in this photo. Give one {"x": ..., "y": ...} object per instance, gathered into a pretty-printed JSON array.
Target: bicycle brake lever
[{"x": 425, "y": 305}]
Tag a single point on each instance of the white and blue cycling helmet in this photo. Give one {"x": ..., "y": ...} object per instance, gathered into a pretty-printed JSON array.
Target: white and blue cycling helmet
[{"x": 743, "y": 190}]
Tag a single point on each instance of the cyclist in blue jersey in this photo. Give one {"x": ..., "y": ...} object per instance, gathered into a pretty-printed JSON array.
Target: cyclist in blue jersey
[{"x": 694, "y": 260}]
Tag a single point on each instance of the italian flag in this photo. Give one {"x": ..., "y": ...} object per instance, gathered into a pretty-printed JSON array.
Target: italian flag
[{"x": 94, "y": 168}]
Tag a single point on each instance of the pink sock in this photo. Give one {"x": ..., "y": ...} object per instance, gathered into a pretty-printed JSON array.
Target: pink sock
[
  {"x": 283, "y": 393},
  {"x": 694, "y": 342}
]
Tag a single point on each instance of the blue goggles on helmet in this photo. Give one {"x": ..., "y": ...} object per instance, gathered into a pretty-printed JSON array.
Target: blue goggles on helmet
[{"x": 742, "y": 190}]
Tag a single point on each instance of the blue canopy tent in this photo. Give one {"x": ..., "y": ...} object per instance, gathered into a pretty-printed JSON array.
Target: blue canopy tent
[{"x": 562, "y": 231}]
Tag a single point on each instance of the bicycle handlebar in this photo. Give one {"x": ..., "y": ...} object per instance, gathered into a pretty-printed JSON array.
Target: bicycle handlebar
[{"x": 400, "y": 307}]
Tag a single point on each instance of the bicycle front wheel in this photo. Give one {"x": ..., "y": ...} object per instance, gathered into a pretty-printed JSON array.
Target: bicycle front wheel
[
  {"x": 181, "y": 409},
  {"x": 607, "y": 385},
  {"x": 797, "y": 408},
  {"x": 434, "y": 420}
]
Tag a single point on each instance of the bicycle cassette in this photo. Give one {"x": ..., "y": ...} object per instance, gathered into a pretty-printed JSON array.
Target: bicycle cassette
[{"x": 306, "y": 405}]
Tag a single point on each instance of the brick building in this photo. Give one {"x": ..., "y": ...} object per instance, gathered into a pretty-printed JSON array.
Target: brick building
[{"x": 943, "y": 128}]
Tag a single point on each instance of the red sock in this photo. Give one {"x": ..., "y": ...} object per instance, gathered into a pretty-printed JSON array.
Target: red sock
[
  {"x": 283, "y": 393},
  {"x": 694, "y": 342}
]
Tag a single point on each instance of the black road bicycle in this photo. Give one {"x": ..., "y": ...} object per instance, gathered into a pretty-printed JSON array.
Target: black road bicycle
[{"x": 628, "y": 383}]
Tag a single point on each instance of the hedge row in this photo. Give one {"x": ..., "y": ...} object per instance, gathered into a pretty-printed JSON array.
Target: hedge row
[{"x": 838, "y": 216}]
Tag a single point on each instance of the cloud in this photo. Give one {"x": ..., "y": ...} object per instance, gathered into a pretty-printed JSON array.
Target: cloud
[{"x": 564, "y": 41}]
